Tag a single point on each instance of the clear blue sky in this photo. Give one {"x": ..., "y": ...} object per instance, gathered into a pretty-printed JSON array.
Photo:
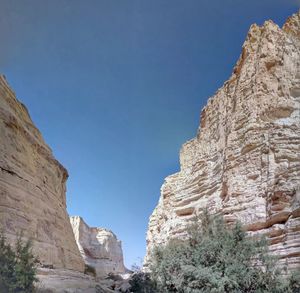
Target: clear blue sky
[{"x": 117, "y": 86}]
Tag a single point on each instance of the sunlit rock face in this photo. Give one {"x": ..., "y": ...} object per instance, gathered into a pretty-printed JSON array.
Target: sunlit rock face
[
  {"x": 32, "y": 188},
  {"x": 99, "y": 248},
  {"x": 245, "y": 160}
]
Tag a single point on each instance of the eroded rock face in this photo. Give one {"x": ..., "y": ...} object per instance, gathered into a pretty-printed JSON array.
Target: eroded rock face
[
  {"x": 62, "y": 281},
  {"x": 99, "y": 248},
  {"x": 245, "y": 161},
  {"x": 32, "y": 188}
]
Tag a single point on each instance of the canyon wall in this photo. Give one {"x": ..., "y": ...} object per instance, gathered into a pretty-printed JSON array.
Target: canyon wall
[
  {"x": 244, "y": 162},
  {"x": 99, "y": 248},
  {"x": 33, "y": 201},
  {"x": 32, "y": 188}
]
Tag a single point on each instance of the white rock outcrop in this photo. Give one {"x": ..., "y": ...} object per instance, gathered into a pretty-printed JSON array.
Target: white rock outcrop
[
  {"x": 68, "y": 281},
  {"x": 245, "y": 160},
  {"x": 99, "y": 248}
]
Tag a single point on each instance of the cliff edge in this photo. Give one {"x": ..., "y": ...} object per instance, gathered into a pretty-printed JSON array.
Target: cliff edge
[
  {"x": 244, "y": 162},
  {"x": 33, "y": 188}
]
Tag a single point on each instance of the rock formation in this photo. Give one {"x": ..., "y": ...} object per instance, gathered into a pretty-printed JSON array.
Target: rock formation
[
  {"x": 32, "y": 188},
  {"x": 33, "y": 201},
  {"x": 245, "y": 160},
  {"x": 99, "y": 248}
]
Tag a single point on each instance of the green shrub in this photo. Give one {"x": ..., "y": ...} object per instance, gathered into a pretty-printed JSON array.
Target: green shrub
[
  {"x": 17, "y": 266},
  {"x": 89, "y": 270},
  {"x": 218, "y": 259},
  {"x": 142, "y": 283}
]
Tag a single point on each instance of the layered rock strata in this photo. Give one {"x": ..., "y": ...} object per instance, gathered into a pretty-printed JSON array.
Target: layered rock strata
[
  {"x": 33, "y": 188},
  {"x": 33, "y": 201},
  {"x": 245, "y": 160},
  {"x": 99, "y": 248}
]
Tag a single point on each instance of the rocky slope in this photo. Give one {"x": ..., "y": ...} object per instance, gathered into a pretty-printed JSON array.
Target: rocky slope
[
  {"x": 32, "y": 187},
  {"x": 245, "y": 160},
  {"x": 99, "y": 248}
]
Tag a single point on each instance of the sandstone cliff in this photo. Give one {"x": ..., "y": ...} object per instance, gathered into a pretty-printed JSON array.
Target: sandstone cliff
[
  {"x": 245, "y": 160},
  {"x": 99, "y": 248},
  {"x": 33, "y": 201},
  {"x": 32, "y": 187}
]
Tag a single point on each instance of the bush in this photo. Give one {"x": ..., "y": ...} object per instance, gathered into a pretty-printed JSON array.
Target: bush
[
  {"x": 89, "y": 270},
  {"x": 217, "y": 259},
  {"x": 142, "y": 283},
  {"x": 17, "y": 266}
]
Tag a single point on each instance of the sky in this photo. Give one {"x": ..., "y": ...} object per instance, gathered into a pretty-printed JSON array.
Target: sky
[{"x": 117, "y": 86}]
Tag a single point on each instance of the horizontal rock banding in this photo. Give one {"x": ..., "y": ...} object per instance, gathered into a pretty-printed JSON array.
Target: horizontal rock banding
[
  {"x": 32, "y": 188},
  {"x": 245, "y": 161}
]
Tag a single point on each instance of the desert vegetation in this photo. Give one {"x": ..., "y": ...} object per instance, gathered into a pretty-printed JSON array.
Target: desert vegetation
[
  {"x": 214, "y": 258},
  {"x": 17, "y": 266}
]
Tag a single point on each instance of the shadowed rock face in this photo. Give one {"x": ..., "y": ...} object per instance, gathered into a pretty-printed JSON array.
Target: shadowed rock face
[
  {"x": 245, "y": 161},
  {"x": 32, "y": 187},
  {"x": 99, "y": 248}
]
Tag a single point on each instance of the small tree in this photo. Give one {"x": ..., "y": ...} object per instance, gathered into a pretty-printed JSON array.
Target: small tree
[
  {"x": 141, "y": 282},
  {"x": 217, "y": 259},
  {"x": 7, "y": 265},
  {"x": 17, "y": 266}
]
